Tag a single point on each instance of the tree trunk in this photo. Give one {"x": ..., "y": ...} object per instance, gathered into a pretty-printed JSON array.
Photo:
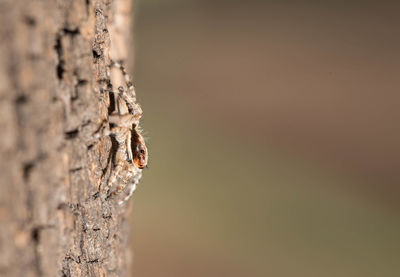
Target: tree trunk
[{"x": 54, "y": 57}]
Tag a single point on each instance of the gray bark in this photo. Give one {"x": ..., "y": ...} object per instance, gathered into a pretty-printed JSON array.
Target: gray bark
[{"x": 53, "y": 61}]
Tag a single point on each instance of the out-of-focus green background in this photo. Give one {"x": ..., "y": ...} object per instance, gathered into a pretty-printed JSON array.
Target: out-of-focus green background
[{"x": 274, "y": 138}]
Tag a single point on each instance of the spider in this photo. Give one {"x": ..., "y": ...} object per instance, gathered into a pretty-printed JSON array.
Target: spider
[{"x": 131, "y": 155}]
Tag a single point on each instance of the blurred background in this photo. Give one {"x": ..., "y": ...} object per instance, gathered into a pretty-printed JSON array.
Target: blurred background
[{"x": 274, "y": 138}]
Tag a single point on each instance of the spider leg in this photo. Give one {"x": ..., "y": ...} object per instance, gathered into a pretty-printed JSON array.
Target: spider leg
[
  {"x": 128, "y": 95},
  {"x": 128, "y": 145},
  {"x": 123, "y": 121},
  {"x": 131, "y": 191},
  {"x": 120, "y": 134},
  {"x": 127, "y": 104},
  {"x": 123, "y": 135},
  {"x": 113, "y": 178},
  {"x": 132, "y": 188},
  {"x": 128, "y": 175},
  {"x": 118, "y": 177},
  {"x": 129, "y": 84}
]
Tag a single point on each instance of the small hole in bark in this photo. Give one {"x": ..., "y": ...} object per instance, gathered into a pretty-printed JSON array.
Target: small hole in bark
[
  {"x": 27, "y": 170},
  {"x": 35, "y": 234},
  {"x": 96, "y": 55},
  {"x": 72, "y": 32},
  {"x": 21, "y": 99},
  {"x": 30, "y": 21},
  {"x": 71, "y": 134}
]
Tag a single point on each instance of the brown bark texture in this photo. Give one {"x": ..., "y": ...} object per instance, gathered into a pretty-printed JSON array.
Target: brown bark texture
[{"x": 53, "y": 74}]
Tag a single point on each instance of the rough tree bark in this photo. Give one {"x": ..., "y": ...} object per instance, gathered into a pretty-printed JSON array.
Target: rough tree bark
[{"x": 53, "y": 63}]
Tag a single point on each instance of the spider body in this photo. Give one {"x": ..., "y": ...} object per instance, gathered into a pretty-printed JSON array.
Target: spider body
[
  {"x": 131, "y": 155},
  {"x": 140, "y": 155}
]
